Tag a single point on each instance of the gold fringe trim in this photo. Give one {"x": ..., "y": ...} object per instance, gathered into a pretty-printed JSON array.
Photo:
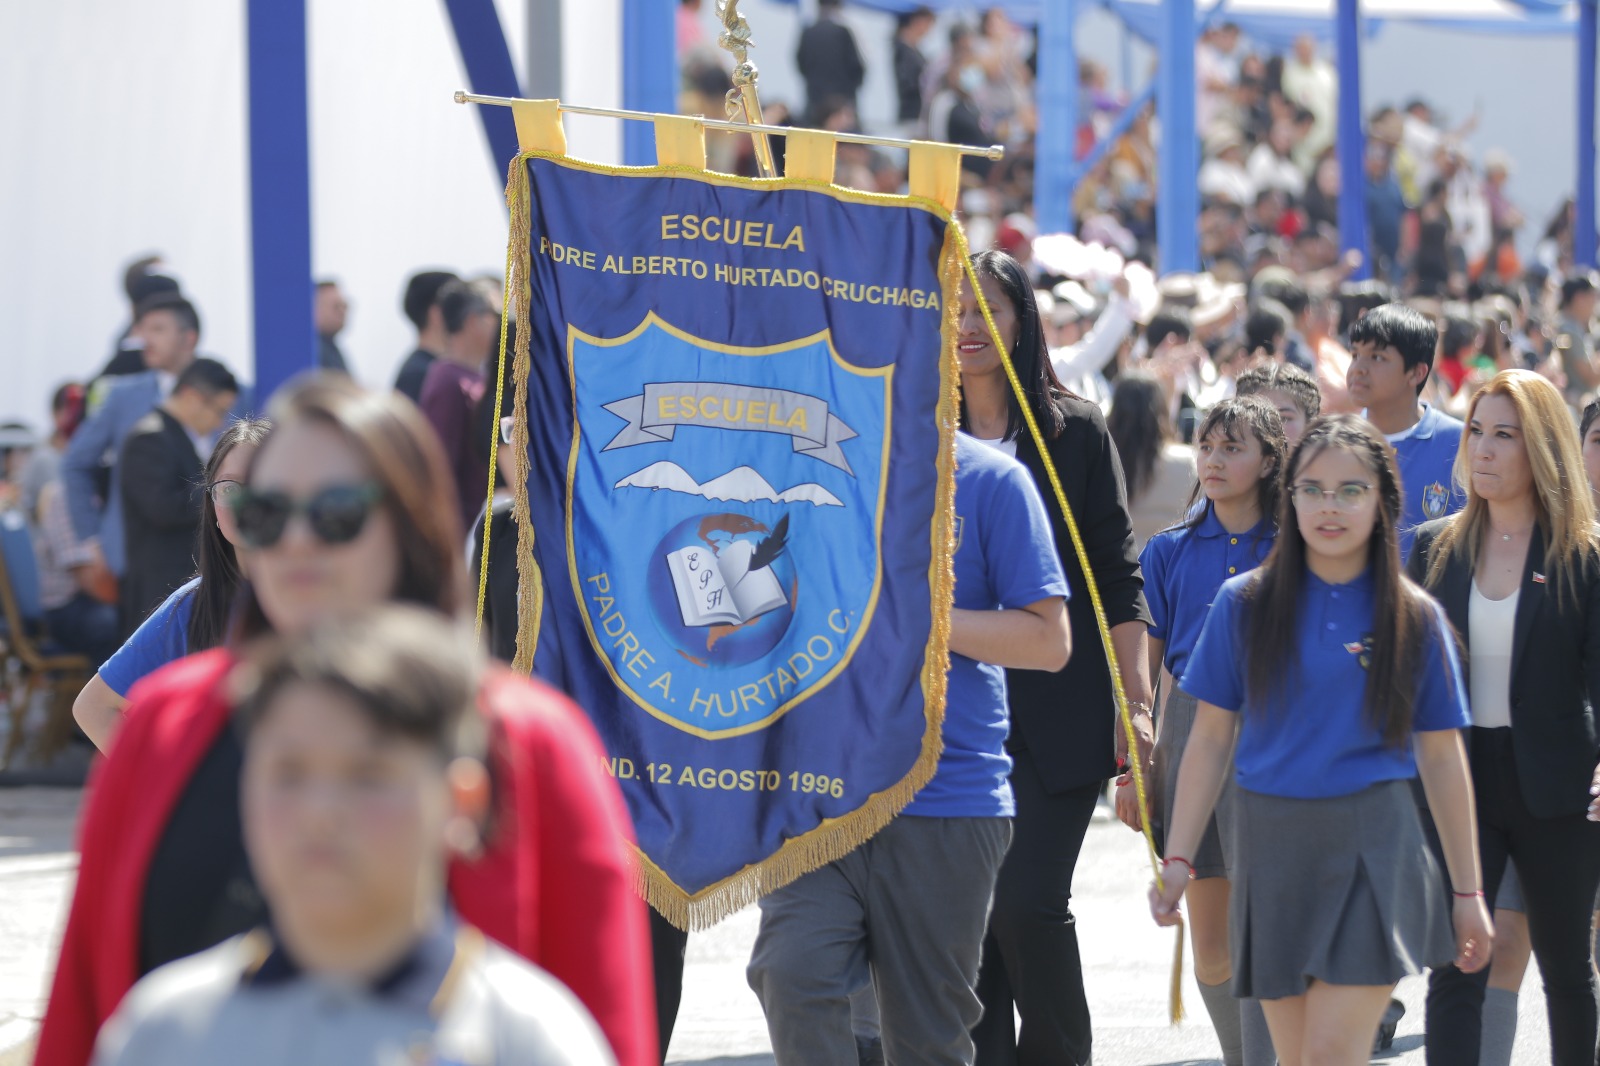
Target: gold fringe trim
[
  {"x": 519, "y": 274},
  {"x": 1175, "y": 1004}
]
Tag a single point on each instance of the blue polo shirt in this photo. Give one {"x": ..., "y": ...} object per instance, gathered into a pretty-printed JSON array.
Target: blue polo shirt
[
  {"x": 162, "y": 638},
  {"x": 1426, "y": 454},
  {"x": 1184, "y": 568},
  {"x": 1005, "y": 559},
  {"x": 1313, "y": 740}
]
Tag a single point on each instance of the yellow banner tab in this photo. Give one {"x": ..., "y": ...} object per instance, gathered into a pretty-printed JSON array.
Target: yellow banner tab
[
  {"x": 539, "y": 126},
  {"x": 808, "y": 155},
  {"x": 936, "y": 172},
  {"x": 680, "y": 141}
]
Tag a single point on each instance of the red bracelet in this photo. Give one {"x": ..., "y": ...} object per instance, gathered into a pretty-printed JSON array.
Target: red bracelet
[
  {"x": 1468, "y": 895},
  {"x": 1178, "y": 858}
]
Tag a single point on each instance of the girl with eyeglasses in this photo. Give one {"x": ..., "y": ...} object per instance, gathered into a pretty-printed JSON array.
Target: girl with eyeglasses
[
  {"x": 1233, "y": 509},
  {"x": 348, "y": 504},
  {"x": 195, "y": 617},
  {"x": 1332, "y": 681},
  {"x": 1518, "y": 573}
]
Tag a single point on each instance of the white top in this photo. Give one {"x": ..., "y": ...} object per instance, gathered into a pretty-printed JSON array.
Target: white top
[
  {"x": 1490, "y": 627},
  {"x": 1000, "y": 444}
]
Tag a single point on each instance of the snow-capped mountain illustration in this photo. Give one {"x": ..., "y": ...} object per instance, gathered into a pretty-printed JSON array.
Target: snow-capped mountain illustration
[{"x": 742, "y": 483}]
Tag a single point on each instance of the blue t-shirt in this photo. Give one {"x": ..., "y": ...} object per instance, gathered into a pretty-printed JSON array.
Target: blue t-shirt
[
  {"x": 1184, "y": 568},
  {"x": 1313, "y": 740},
  {"x": 1426, "y": 454},
  {"x": 1005, "y": 559},
  {"x": 162, "y": 639}
]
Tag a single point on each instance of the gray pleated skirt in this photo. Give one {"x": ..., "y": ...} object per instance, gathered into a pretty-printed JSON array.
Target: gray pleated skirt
[
  {"x": 1342, "y": 890},
  {"x": 1213, "y": 857}
]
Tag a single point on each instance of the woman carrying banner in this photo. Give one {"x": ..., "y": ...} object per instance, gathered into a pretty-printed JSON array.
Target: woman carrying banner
[
  {"x": 1064, "y": 737},
  {"x": 1232, "y": 524},
  {"x": 348, "y": 504},
  {"x": 1518, "y": 573},
  {"x": 195, "y": 617},
  {"x": 1337, "y": 680}
]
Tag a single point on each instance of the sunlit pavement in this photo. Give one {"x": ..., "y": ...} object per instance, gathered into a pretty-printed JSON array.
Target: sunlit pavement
[{"x": 1128, "y": 958}]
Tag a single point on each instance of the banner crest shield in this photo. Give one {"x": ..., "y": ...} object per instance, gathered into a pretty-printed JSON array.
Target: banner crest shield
[{"x": 724, "y": 507}]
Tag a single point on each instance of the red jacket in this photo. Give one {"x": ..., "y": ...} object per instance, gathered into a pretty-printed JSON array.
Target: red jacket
[{"x": 554, "y": 886}]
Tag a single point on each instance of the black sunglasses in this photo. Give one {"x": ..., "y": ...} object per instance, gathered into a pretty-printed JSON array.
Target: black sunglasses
[{"x": 336, "y": 514}]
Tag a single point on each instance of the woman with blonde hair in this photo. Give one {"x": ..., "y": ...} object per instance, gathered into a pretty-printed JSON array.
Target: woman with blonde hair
[{"x": 1518, "y": 573}]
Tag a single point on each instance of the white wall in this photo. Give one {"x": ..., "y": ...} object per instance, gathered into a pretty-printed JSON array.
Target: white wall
[{"x": 124, "y": 132}]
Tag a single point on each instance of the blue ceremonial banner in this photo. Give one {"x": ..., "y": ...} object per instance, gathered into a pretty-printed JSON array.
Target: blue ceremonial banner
[{"x": 740, "y": 406}]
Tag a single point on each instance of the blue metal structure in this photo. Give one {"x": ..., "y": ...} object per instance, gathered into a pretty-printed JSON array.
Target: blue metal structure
[
  {"x": 280, "y": 194},
  {"x": 487, "y": 57},
  {"x": 1583, "y": 229},
  {"x": 649, "y": 72},
  {"x": 1351, "y": 139},
  {"x": 1057, "y": 97},
  {"x": 1178, "y": 213}
]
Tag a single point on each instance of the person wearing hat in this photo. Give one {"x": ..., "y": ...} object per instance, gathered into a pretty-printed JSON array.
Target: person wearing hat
[
  {"x": 1080, "y": 365},
  {"x": 1223, "y": 174}
]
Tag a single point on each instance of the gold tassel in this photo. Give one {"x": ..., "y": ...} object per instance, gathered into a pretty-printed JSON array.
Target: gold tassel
[{"x": 1175, "y": 994}]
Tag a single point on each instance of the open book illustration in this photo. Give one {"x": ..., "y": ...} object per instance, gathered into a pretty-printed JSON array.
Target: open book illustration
[{"x": 729, "y": 587}]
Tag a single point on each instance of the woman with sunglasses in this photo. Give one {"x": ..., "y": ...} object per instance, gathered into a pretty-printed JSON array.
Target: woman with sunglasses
[
  {"x": 349, "y": 504},
  {"x": 1518, "y": 573},
  {"x": 195, "y": 617}
]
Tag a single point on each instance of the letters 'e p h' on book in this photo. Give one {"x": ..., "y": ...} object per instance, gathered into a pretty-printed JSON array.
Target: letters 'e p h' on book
[{"x": 719, "y": 588}]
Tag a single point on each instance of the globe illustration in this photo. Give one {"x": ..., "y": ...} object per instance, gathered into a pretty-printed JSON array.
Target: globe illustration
[{"x": 726, "y": 541}]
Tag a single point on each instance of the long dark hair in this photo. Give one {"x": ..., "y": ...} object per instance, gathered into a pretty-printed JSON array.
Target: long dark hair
[
  {"x": 1139, "y": 427},
  {"x": 1029, "y": 356},
  {"x": 1233, "y": 417},
  {"x": 218, "y": 566},
  {"x": 408, "y": 464},
  {"x": 1400, "y": 608}
]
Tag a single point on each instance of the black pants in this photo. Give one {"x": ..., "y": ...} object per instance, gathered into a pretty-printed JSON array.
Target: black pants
[
  {"x": 1558, "y": 860},
  {"x": 667, "y": 946},
  {"x": 1030, "y": 955}
]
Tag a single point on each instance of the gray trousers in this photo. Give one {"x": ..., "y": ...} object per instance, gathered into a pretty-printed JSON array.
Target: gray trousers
[{"x": 905, "y": 911}]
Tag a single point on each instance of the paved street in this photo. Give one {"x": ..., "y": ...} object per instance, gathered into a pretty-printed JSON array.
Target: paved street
[{"x": 1127, "y": 956}]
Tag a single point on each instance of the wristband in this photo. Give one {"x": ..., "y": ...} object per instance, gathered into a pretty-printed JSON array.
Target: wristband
[
  {"x": 1468, "y": 895},
  {"x": 1176, "y": 858}
]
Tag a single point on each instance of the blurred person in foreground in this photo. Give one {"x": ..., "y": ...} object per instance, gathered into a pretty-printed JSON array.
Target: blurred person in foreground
[
  {"x": 363, "y": 774},
  {"x": 348, "y": 505}
]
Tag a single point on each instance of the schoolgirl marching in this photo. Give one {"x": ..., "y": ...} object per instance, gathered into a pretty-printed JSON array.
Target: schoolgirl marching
[
  {"x": 1231, "y": 526},
  {"x": 1332, "y": 681}
]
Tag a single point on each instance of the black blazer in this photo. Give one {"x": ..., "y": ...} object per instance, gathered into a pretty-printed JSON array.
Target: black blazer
[
  {"x": 162, "y": 490},
  {"x": 1067, "y": 719},
  {"x": 1555, "y": 672}
]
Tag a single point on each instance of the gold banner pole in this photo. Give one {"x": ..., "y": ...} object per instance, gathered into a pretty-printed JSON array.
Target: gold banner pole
[
  {"x": 743, "y": 99},
  {"x": 993, "y": 151}
]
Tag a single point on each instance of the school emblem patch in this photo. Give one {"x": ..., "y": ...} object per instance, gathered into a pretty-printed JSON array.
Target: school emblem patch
[
  {"x": 1435, "y": 500},
  {"x": 1362, "y": 649},
  {"x": 710, "y": 491}
]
